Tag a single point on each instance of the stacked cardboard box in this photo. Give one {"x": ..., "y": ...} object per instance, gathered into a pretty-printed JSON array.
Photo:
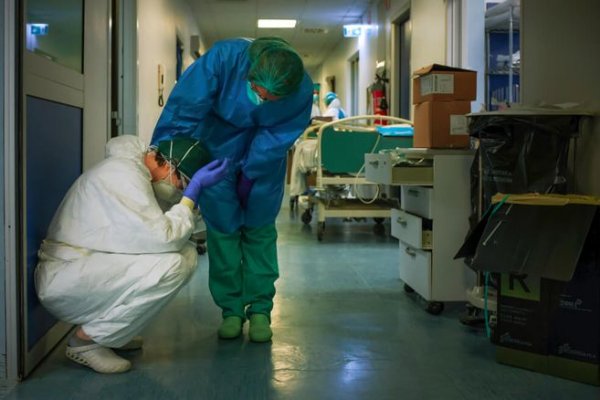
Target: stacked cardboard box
[{"x": 442, "y": 97}]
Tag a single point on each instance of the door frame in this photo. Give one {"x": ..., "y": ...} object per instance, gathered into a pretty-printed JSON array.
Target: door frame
[
  {"x": 12, "y": 78},
  {"x": 47, "y": 80},
  {"x": 396, "y": 75}
]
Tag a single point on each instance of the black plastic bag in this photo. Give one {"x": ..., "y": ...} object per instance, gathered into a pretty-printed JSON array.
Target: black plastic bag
[{"x": 521, "y": 154}]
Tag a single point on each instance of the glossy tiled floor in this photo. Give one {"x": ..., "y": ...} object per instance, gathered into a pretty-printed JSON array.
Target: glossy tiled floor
[{"x": 344, "y": 329}]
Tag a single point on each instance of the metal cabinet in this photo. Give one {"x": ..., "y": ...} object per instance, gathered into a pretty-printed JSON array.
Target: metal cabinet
[{"x": 434, "y": 222}]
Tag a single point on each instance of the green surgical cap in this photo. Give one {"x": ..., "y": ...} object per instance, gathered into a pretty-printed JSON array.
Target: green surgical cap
[
  {"x": 275, "y": 65},
  {"x": 186, "y": 154}
]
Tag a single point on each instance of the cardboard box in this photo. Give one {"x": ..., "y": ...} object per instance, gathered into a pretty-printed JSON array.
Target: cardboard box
[
  {"x": 526, "y": 311},
  {"x": 526, "y": 305},
  {"x": 562, "y": 367},
  {"x": 575, "y": 329},
  {"x": 442, "y": 83},
  {"x": 441, "y": 124},
  {"x": 549, "y": 291}
]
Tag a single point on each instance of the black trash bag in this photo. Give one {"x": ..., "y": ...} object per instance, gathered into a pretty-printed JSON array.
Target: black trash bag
[{"x": 522, "y": 154}]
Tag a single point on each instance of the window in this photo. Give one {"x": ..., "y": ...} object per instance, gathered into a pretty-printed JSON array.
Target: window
[{"x": 54, "y": 30}]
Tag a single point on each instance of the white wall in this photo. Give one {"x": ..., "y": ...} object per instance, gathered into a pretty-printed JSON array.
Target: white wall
[
  {"x": 159, "y": 23},
  {"x": 338, "y": 64},
  {"x": 428, "y": 19},
  {"x": 398, "y": 10},
  {"x": 560, "y": 62},
  {"x": 428, "y": 44},
  {"x": 473, "y": 45}
]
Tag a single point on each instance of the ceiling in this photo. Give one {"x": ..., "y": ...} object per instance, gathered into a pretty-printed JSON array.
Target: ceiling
[{"x": 317, "y": 33}]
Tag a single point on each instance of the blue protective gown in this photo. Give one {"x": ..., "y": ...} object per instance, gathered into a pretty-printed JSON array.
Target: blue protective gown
[{"x": 210, "y": 103}]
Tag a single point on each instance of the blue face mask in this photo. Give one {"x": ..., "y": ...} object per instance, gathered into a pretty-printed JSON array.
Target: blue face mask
[{"x": 252, "y": 95}]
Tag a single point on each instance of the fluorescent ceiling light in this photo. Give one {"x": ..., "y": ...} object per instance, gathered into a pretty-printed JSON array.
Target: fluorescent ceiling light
[{"x": 276, "y": 23}]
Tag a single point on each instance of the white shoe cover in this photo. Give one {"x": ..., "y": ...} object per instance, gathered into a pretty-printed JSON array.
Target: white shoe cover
[{"x": 99, "y": 358}]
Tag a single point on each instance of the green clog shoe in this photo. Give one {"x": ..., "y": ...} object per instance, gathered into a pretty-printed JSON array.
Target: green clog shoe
[
  {"x": 260, "y": 328},
  {"x": 230, "y": 328}
]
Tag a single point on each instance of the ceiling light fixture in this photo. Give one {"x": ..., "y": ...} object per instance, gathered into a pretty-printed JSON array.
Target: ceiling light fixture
[{"x": 277, "y": 23}]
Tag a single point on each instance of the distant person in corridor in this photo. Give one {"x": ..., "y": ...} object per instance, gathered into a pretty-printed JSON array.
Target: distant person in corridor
[{"x": 334, "y": 107}]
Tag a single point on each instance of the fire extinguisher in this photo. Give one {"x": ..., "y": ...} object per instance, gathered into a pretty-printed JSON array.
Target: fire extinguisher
[{"x": 378, "y": 93}]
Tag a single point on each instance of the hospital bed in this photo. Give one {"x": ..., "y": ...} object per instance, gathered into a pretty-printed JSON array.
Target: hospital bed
[
  {"x": 341, "y": 187},
  {"x": 303, "y": 164}
]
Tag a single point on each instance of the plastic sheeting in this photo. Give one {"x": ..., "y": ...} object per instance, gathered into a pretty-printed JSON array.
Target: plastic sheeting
[{"x": 521, "y": 154}]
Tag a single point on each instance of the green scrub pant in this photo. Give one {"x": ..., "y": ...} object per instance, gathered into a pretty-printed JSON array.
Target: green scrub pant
[{"x": 243, "y": 269}]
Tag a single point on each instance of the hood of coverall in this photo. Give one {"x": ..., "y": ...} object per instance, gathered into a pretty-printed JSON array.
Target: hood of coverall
[
  {"x": 335, "y": 103},
  {"x": 127, "y": 146}
]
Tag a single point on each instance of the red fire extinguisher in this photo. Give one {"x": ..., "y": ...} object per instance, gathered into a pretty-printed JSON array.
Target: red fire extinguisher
[{"x": 378, "y": 93}]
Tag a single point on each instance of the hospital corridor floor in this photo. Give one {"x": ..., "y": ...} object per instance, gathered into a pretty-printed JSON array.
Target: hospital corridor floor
[{"x": 343, "y": 329}]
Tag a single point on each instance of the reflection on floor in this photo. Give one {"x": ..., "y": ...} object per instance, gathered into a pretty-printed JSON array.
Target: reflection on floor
[{"x": 344, "y": 329}]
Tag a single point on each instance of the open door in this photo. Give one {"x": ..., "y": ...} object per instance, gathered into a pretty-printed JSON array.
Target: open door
[
  {"x": 402, "y": 31},
  {"x": 123, "y": 79}
]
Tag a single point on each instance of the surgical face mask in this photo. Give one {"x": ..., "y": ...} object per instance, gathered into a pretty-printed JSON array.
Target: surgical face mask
[
  {"x": 165, "y": 191},
  {"x": 252, "y": 95}
]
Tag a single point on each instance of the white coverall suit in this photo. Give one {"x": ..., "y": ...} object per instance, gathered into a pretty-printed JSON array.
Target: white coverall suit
[
  {"x": 335, "y": 110},
  {"x": 112, "y": 258}
]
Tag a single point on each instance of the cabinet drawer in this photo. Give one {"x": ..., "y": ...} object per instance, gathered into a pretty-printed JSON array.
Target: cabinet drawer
[
  {"x": 381, "y": 168},
  {"x": 415, "y": 269},
  {"x": 412, "y": 176},
  {"x": 412, "y": 230},
  {"x": 418, "y": 200}
]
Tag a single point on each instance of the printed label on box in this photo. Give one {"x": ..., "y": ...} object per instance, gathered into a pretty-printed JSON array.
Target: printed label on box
[
  {"x": 458, "y": 125},
  {"x": 521, "y": 287},
  {"x": 437, "y": 83}
]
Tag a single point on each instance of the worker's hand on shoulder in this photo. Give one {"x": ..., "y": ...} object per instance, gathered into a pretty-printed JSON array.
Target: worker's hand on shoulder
[{"x": 206, "y": 176}]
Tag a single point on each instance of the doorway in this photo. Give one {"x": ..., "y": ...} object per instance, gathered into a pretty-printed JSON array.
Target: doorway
[
  {"x": 123, "y": 68},
  {"x": 403, "y": 33},
  {"x": 354, "y": 85}
]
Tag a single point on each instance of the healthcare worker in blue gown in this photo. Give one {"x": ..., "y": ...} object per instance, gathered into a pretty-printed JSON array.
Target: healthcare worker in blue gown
[{"x": 248, "y": 101}]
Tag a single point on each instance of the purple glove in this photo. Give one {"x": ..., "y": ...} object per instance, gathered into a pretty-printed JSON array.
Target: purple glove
[
  {"x": 206, "y": 176},
  {"x": 243, "y": 188}
]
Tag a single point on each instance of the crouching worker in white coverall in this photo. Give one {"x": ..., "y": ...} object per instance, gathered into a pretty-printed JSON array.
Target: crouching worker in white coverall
[{"x": 112, "y": 257}]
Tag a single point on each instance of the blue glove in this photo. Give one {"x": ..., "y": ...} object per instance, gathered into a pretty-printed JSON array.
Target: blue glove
[
  {"x": 206, "y": 176},
  {"x": 243, "y": 188}
]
